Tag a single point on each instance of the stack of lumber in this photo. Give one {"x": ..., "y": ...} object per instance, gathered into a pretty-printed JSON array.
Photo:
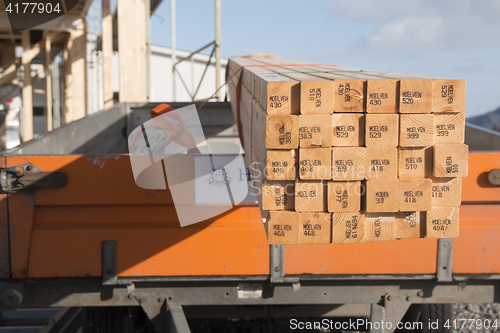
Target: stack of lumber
[{"x": 344, "y": 155}]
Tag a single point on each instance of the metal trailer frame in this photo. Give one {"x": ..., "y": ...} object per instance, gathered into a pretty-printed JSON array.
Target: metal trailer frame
[{"x": 168, "y": 300}]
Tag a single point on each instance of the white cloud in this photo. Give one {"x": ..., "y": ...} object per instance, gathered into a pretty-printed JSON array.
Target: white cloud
[{"x": 425, "y": 24}]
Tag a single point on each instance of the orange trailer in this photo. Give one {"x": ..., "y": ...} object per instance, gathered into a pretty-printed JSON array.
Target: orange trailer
[{"x": 76, "y": 231}]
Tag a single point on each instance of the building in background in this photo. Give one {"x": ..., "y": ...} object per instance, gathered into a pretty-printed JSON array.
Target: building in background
[{"x": 190, "y": 73}]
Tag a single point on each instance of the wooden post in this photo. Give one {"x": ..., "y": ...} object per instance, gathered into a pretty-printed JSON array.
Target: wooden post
[
  {"x": 107, "y": 52},
  {"x": 75, "y": 73},
  {"x": 27, "y": 114},
  {"x": 348, "y": 130},
  {"x": 450, "y": 160},
  {"x": 316, "y": 96},
  {"x": 282, "y": 132},
  {"x": 283, "y": 227},
  {"x": 348, "y": 228},
  {"x": 415, "y": 96},
  {"x": 7, "y": 53},
  {"x": 381, "y": 130},
  {"x": 48, "y": 86},
  {"x": 315, "y": 163},
  {"x": 348, "y": 163},
  {"x": 344, "y": 196},
  {"x": 217, "y": 50},
  {"x": 281, "y": 164},
  {"x": 446, "y": 191},
  {"x": 315, "y": 130},
  {"x": 382, "y": 195},
  {"x": 449, "y": 128},
  {"x": 315, "y": 228},
  {"x": 383, "y": 96},
  {"x": 442, "y": 222},
  {"x": 448, "y": 96},
  {"x": 415, "y": 194},
  {"x": 416, "y": 130},
  {"x": 381, "y": 163},
  {"x": 310, "y": 196},
  {"x": 415, "y": 163},
  {"x": 132, "y": 50},
  {"x": 409, "y": 225},
  {"x": 278, "y": 195},
  {"x": 379, "y": 227}
]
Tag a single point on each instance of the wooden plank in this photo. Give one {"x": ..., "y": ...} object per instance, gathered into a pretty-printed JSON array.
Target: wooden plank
[
  {"x": 315, "y": 130},
  {"x": 48, "y": 86},
  {"x": 132, "y": 50},
  {"x": 382, "y": 96},
  {"x": 381, "y": 130},
  {"x": 315, "y": 163},
  {"x": 414, "y": 92},
  {"x": 446, "y": 191},
  {"x": 415, "y": 96},
  {"x": 315, "y": 228},
  {"x": 7, "y": 53},
  {"x": 344, "y": 196},
  {"x": 348, "y": 92},
  {"x": 416, "y": 130},
  {"x": 442, "y": 222},
  {"x": 379, "y": 227},
  {"x": 449, "y": 128},
  {"x": 381, "y": 163},
  {"x": 278, "y": 94},
  {"x": 415, "y": 163},
  {"x": 9, "y": 73},
  {"x": 107, "y": 53},
  {"x": 450, "y": 160},
  {"x": 278, "y": 195},
  {"x": 282, "y": 132},
  {"x": 348, "y": 130},
  {"x": 316, "y": 94},
  {"x": 283, "y": 227},
  {"x": 348, "y": 163},
  {"x": 316, "y": 97},
  {"x": 382, "y": 195},
  {"x": 409, "y": 225},
  {"x": 4, "y": 237},
  {"x": 382, "y": 91},
  {"x": 310, "y": 196},
  {"x": 278, "y": 131},
  {"x": 448, "y": 96},
  {"x": 281, "y": 164},
  {"x": 415, "y": 194},
  {"x": 27, "y": 112},
  {"x": 348, "y": 228},
  {"x": 75, "y": 74}
]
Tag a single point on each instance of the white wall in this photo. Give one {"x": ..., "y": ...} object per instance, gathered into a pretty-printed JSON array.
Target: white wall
[
  {"x": 160, "y": 75},
  {"x": 191, "y": 71}
]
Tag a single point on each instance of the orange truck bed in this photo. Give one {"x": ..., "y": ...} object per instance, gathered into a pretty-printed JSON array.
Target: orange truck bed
[
  {"x": 56, "y": 234},
  {"x": 59, "y": 234}
]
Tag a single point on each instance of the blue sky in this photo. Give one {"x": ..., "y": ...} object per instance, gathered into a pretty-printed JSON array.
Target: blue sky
[{"x": 445, "y": 38}]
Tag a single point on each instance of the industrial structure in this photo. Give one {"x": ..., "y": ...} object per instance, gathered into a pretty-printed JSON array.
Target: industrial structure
[{"x": 66, "y": 73}]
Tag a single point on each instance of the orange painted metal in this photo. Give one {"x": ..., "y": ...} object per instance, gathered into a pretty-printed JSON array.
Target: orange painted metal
[
  {"x": 476, "y": 187},
  {"x": 21, "y": 209},
  {"x": 101, "y": 202},
  {"x": 149, "y": 241},
  {"x": 4, "y": 235},
  {"x": 4, "y": 239}
]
